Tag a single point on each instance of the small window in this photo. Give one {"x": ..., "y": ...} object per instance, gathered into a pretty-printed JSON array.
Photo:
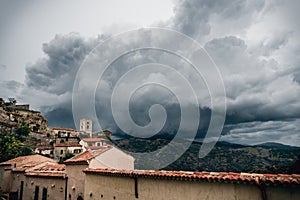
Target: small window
[
  {"x": 44, "y": 194},
  {"x": 61, "y": 152}
]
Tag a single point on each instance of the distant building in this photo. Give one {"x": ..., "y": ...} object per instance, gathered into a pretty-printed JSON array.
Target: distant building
[
  {"x": 66, "y": 143},
  {"x": 63, "y": 132},
  {"x": 86, "y": 125},
  {"x": 45, "y": 150},
  {"x": 93, "y": 143}
]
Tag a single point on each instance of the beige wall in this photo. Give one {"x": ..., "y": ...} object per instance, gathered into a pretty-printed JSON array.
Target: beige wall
[
  {"x": 114, "y": 158},
  {"x": 76, "y": 181},
  {"x": 5, "y": 179},
  {"x": 55, "y": 188},
  {"x": 276, "y": 193},
  {"x": 16, "y": 181},
  {"x": 110, "y": 187}
]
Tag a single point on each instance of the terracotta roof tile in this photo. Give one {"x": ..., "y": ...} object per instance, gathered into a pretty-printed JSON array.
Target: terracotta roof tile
[
  {"x": 80, "y": 158},
  {"x": 87, "y": 155},
  {"x": 205, "y": 176},
  {"x": 93, "y": 139},
  {"x": 48, "y": 170},
  {"x": 23, "y": 162}
]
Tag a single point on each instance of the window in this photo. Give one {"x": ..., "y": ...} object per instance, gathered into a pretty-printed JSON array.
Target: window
[
  {"x": 36, "y": 193},
  {"x": 21, "y": 190},
  {"x": 77, "y": 150},
  {"x": 61, "y": 152},
  {"x": 44, "y": 194}
]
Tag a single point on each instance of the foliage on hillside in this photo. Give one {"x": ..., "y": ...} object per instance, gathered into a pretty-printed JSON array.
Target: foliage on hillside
[
  {"x": 223, "y": 157},
  {"x": 12, "y": 145}
]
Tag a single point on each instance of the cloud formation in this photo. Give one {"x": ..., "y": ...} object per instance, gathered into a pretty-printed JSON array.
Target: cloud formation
[{"x": 255, "y": 44}]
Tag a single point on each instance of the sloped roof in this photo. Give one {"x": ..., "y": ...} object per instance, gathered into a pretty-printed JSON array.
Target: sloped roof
[
  {"x": 93, "y": 139},
  {"x": 48, "y": 169},
  {"x": 80, "y": 158},
  {"x": 84, "y": 157},
  {"x": 24, "y": 162},
  {"x": 248, "y": 178}
]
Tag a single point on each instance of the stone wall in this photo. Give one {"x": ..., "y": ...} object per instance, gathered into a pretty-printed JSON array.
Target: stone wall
[
  {"x": 55, "y": 187},
  {"x": 117, "y": 187}
]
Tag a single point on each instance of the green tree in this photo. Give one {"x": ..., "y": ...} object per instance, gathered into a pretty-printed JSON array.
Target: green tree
[
  {"x": 66, "y": 157},
  {"x": 22, "y": 132},
  {"x": 9, "y": 147}
]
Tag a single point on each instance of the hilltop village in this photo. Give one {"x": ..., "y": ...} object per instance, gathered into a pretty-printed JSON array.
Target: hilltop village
[
  {"x": 53, "y": 142},
  {"x": 71, "y": 164}
]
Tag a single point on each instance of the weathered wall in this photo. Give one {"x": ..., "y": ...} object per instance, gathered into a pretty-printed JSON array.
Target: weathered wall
[
  {"x": 55, "y": 187},
  {"x": 276, "y": 193},
  {"x": 5, "y": 179},
  {"x": 115, "y": 187},
  {"x": 16, "y": 181},
  {"x": 108, "y": 187},
  {"x": 76, "y": 181}
]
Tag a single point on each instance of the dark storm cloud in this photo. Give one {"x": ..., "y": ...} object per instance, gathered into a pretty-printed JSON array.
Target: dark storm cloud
[
  {"x": 259, "y": 63},
  {"x": 250, "y": 84},
  {"x": 50, "y": 80},
  {"x": 56, "y": 72}
]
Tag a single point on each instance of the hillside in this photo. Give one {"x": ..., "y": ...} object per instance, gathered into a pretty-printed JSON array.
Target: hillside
[
  {"x": 13, "y": 116},
  {"x": 224, "y": 156}
]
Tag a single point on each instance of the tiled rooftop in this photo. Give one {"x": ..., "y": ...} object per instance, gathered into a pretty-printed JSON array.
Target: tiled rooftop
[
  {"x": 48, "y": 170},
  {"x": 87, "y": 155},
  {"x": 250, "y": 178},
  {"x": 23, "y": 162},
  {"x": 81, "y": 158},
  {"x": 93, "y": 139}
]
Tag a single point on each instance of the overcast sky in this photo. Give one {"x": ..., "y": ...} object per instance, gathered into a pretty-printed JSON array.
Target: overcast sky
[{"x": 255, "y": 44}]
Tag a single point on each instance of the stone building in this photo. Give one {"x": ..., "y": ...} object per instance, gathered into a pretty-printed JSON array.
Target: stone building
[
  {"x": 47, "y": 181},
  {"x": 12, "y": 172},
  {"x": 93, "y": 143},
  {"x": 66, "y": 142},
  {"x": 63, "y": 132},
  {"x": 86, "y": 125},
  {"x": 45, "y": 150},
  {"x": 107, "y": 157}
]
